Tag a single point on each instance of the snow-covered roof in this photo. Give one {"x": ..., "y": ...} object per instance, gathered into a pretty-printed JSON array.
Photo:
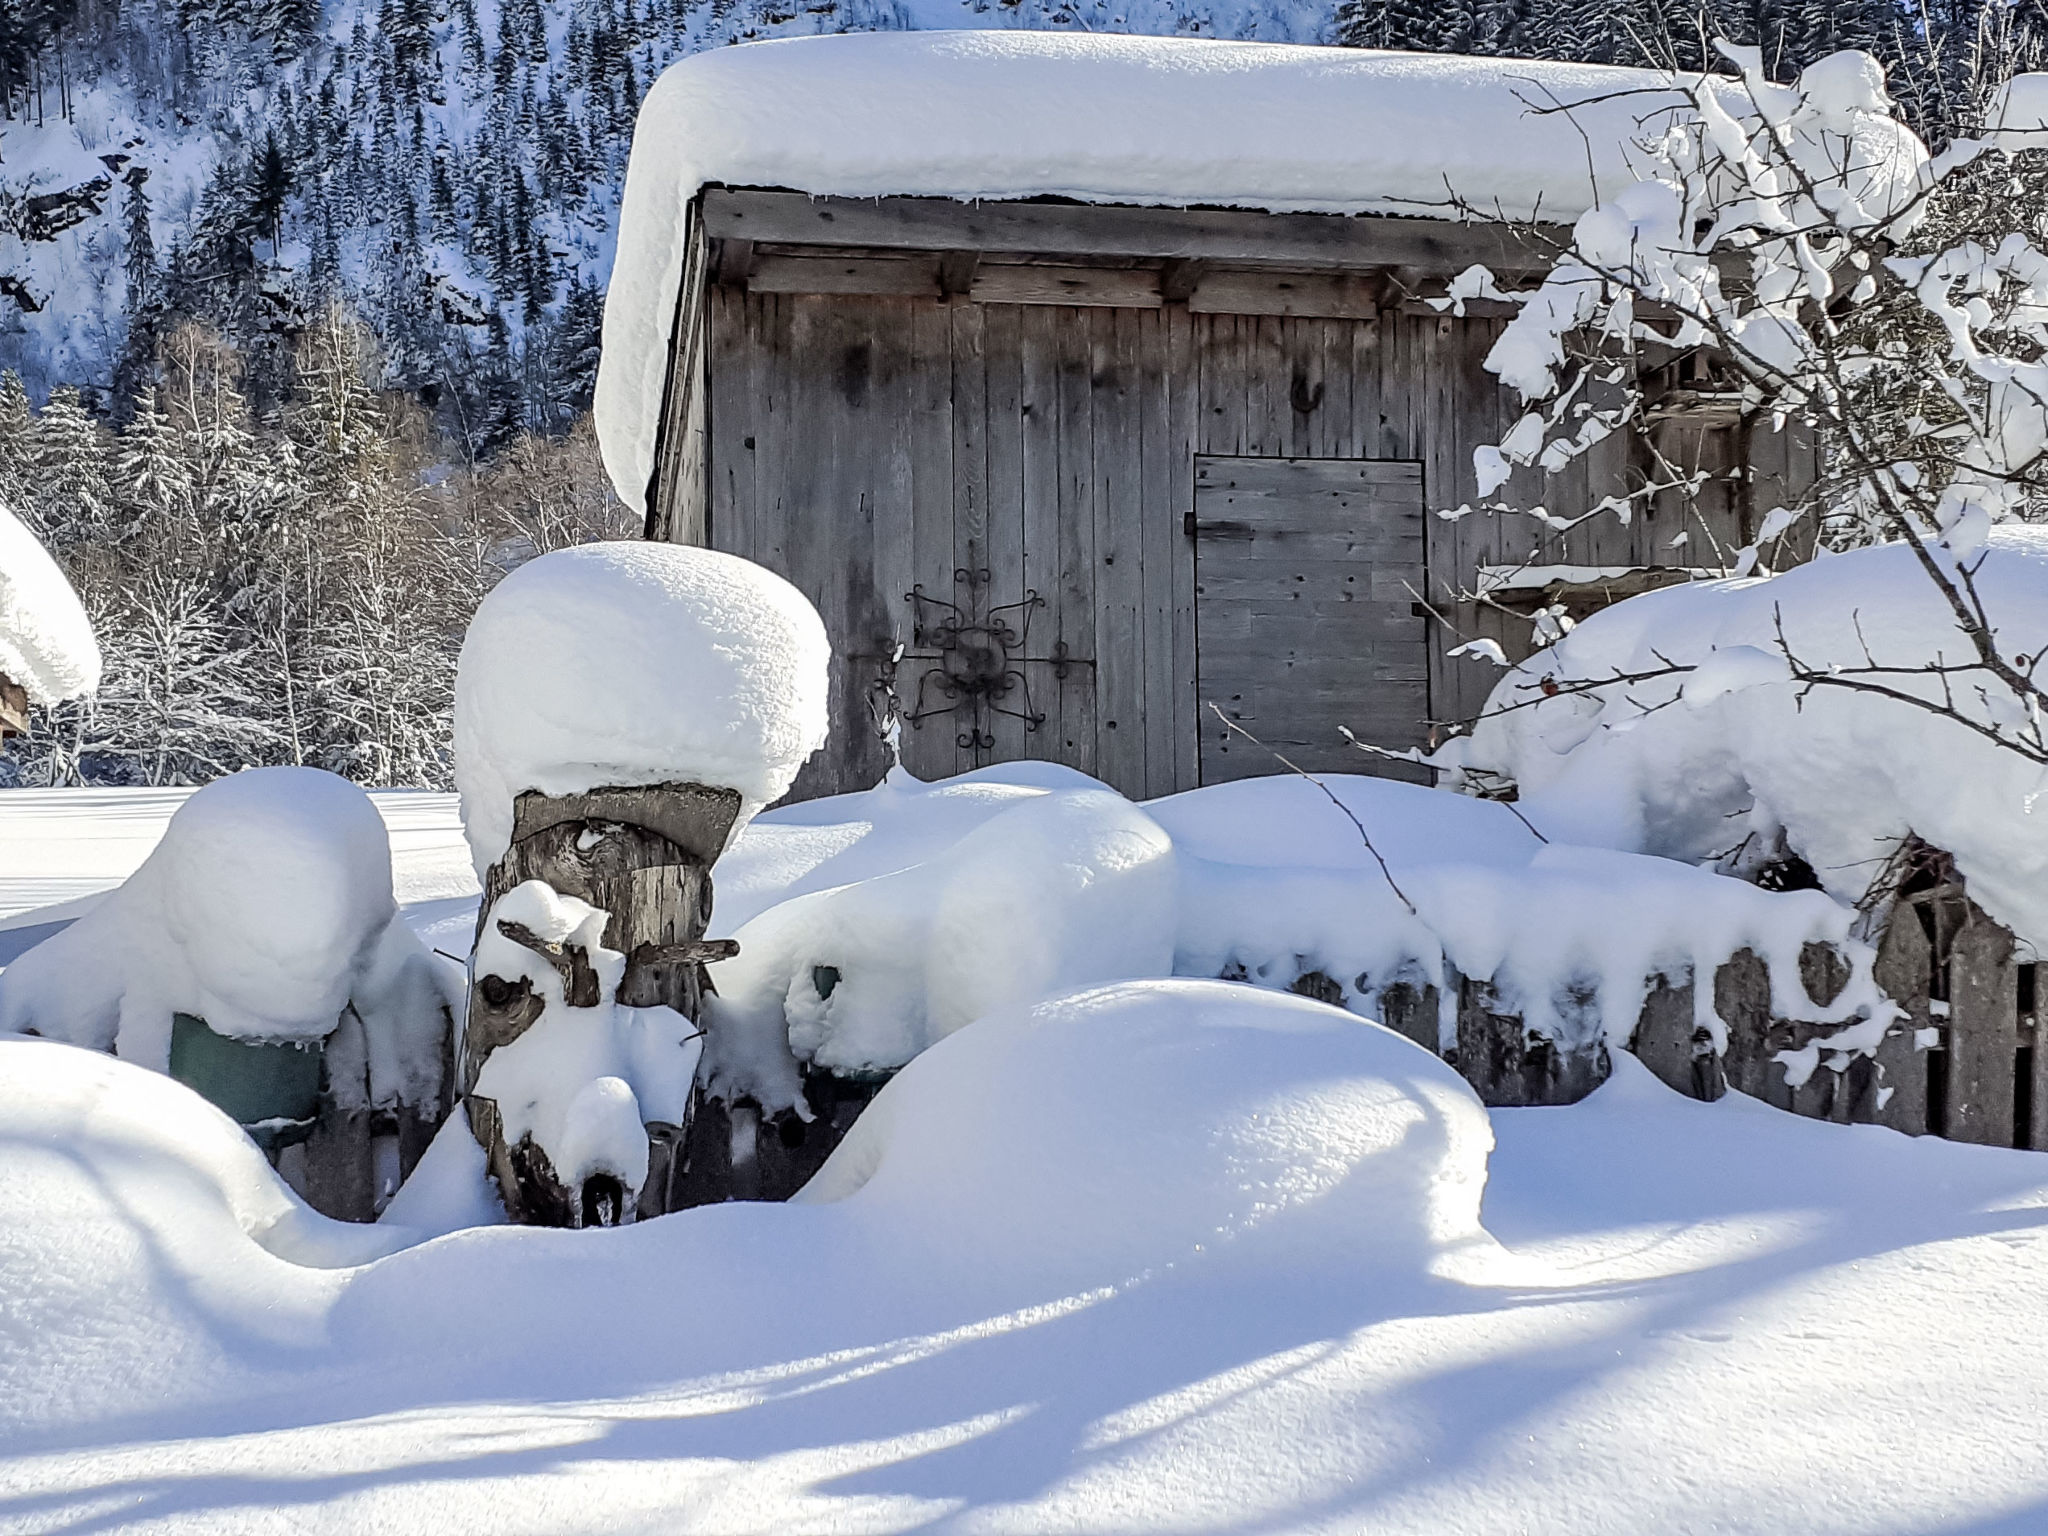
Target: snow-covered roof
[
  {"x": 46, "y": 641},
  {"x": 1108, "y": 119}
]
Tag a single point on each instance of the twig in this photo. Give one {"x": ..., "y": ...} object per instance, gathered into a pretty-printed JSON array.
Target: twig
[{"x": 1294, "y": 767}]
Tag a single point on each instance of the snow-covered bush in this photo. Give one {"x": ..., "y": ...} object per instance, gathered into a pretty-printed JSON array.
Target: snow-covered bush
[
  {"x": 266, "y": 911},
  {"x": 1685, "y": 723},
  {"x": 1833, "y": 281},
  {"x": 631, "y": 664},
  {"x": 46, "y": 641}
]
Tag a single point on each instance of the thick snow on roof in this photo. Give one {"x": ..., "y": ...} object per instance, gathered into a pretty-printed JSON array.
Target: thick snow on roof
[
  {"x": 46, "y": 642},
  {"x": 1148, "y": 120}
]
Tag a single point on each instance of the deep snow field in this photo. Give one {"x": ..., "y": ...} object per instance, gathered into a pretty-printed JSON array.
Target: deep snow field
[{"x": 1154, "y": 1256}]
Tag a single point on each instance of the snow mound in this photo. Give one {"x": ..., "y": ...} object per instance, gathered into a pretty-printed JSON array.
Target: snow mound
[
  {"x": 1054, "y": 889},
  {"x": 634, "y": 663},
  {"x": 1689, "y": 765},
  {"x": 1276, "y": 882},
  {"x": 46, "y": 641},
  {"x": 265, "y": 910},
  {"x": 1124, "y": 1126},
  {"x": 874, "y": 924},
  {"x": 1098, "y": 118}
]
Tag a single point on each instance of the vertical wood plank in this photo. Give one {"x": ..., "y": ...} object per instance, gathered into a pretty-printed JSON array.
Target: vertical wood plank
[
  {"x": 1903, "y": 972},
  {"x": 928, "y": 748},
  {"x": 1038, "y": 410},
  {"x": 1184, "y": 422},
  {"x": 1159, "y": 535},
  {"x": 730, "y": 340},
  {"x": 1003, "y": 455},
  {"x": 1119, "y": 554},
  {"x": 976, "y": 593},
  {"x": 1983, "y": 1033},
  {"x": 1073, "y": 339}
]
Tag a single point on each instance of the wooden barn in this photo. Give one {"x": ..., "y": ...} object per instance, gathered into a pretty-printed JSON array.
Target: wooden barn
[{"x": 1101, "y": 378}]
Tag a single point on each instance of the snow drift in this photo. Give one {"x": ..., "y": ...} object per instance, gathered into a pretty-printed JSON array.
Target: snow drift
[
  {"x": 1043, "y": 1151},
  {"x": 634, "y": 663},
  {"x": 1692, "y": 764},
  {"x": 46, "y": 641},
  {"x": 266, "y": 910}
]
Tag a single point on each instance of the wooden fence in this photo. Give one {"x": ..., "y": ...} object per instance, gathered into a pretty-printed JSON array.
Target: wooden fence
[{"x": 1959, "y": 1063}]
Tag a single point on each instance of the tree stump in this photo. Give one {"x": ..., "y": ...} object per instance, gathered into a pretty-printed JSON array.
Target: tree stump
[{"x": 643, "y": 856}]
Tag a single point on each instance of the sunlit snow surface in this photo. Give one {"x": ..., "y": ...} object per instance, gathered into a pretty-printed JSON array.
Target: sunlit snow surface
[{"x": 1168, "y": 1256}]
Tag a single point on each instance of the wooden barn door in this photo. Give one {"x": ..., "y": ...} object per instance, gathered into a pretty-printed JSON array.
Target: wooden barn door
[{"x": 1307, "y": 575}]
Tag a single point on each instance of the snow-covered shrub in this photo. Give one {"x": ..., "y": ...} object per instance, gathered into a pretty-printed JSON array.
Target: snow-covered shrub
[
  {"x": 630, "y": 664},
  {"x": 266, "y": 911},
  {"x": 1685, "y": 723},
  {"x": 1797, "y": 241},
  {"x": 46, "y": 641}
]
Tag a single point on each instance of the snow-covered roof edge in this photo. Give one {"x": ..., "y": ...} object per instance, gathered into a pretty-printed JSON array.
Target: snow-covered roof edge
[
  {"x": 46, "y": 641},
  {"x": 1108, "y": 119}
]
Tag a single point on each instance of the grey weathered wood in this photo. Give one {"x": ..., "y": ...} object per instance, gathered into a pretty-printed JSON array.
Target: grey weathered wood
[
  {"x": 1073, "y": 338},
  {"x": 1003, "y": 545},
  {"x": 1255, "y": 292},
  {"x": 1670, "y": 1042},
  {"x": 1104, "y": 287},
  {"x": 611, "y": 848},
  {"x": 970, "y": 492},
  {"x": 1292, "y": 643},
  {"x": 1309, "y": 240},
  {"x": 1904, "y": 972},
  {"x": 1116, "y": 506},
  {"x": 1983, "y": 1033},
  {"x": 1742, "y": 998},
  {"x": 907, "y": 275},
  {"x": 676, "y": 492},
  {"x": 857, "y": 499},
  {"x": 1508, "y": 1066}
]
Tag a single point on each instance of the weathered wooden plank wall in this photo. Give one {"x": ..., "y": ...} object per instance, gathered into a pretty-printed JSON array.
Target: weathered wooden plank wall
[{"x": 869, "y": 445}]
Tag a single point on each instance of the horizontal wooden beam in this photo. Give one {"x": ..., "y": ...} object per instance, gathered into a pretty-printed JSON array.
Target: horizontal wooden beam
[
  {"x": 1328, "y": 295},
  {"x": 1101, "y": 287},
  {"x": 1311, "y": 241},
  {"x": 845, "y": 274}
]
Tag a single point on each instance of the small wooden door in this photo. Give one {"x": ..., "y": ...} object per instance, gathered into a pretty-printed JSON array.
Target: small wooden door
[{"x": 1307, "y": 577}]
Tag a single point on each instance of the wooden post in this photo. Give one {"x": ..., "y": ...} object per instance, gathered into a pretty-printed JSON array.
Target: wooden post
[
  {"x": 643, "y": 855},
  {"x": 1904, "y": 973},
  {"x": 1983, "y": 1034}
]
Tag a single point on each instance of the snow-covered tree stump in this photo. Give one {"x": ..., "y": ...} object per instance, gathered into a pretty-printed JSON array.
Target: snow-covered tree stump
[
  {"x": 643, "y": 856},
  {"x": 621, "y": 710}
]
